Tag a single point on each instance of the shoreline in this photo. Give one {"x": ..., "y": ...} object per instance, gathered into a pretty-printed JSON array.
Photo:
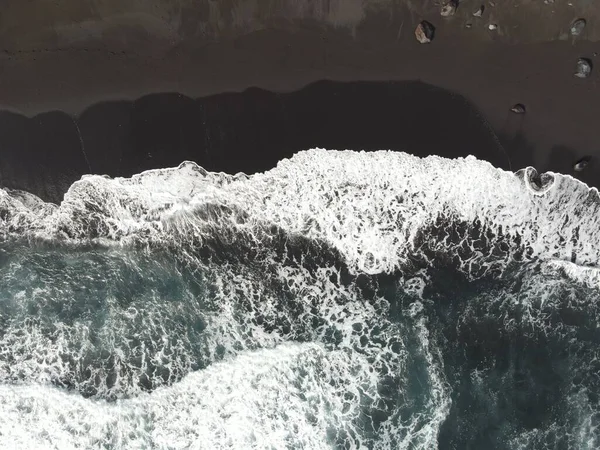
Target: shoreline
[
  {"x": 94, "y": 78},
  {"x": 251, "y": 131}
]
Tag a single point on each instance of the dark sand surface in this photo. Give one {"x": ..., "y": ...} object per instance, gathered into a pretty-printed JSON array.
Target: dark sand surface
[
  {"x": 238, "y": 132},
  {"x": 79, "y": 86}
]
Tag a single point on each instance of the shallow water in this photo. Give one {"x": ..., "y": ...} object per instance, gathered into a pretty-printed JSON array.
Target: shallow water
[{"x": 340, "y": 300}]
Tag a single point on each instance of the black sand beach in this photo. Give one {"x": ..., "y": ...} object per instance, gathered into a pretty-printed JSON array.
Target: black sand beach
[
  {"x": 343, "y": 300},
  {"x": 240, "y": 132},
  {"x": 119, "y": 89}
]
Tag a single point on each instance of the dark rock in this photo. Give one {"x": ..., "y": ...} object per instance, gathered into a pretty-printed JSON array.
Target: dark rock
[
  {"x": 449, "y": 8},
  {"x": 584, "y": 68},
  {"x": 582, "y": 164},
  {"x": 539, "y": 182},
  {"x": 519, "y": 108},
  {"x": 424, "y": 32},
  {"x": 577, "y": 27}
]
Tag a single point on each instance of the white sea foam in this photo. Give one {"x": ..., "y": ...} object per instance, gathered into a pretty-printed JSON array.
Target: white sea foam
[
  {"x": 369, "y": 206},
  {"x": 292, "y": 396},
  {"x": 588, "y": 276},
  {"x": 372, "y": 208},
  {"x": 323, "y": 395},
  {"x": 235, "y": 404}
]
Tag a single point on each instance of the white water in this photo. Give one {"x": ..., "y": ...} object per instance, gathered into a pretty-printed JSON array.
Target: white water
[
  {"x": 236, "y": 403},
  {"x": 371, "y": 207},
  {"x": 266, "y": 391}
]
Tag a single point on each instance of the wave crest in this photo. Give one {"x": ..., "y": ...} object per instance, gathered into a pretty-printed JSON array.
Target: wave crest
[{"x": 374, "y": 208}]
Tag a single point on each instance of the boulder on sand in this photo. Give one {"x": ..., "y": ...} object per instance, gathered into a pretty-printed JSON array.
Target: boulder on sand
[
  {"x": 584, "y": 68},
  {"x": 424, "y": 32},
  {"x": 577, "y": 27},
  {"x": 582, "y": 164},
  {"x": 519, "y": 108},
  {"x": 449, "y": 8}
]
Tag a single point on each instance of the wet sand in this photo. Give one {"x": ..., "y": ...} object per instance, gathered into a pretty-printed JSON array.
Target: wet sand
[{"x": 78, "y": 101}]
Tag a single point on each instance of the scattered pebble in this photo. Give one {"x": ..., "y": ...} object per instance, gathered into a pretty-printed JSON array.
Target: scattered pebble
[
  {"x": 449, "y": 8},
  {"x": 424, "y": 32},
  {"x": 548, "y": 2},
  {"x": 468, "y": 25},
  {"x": 480, "y": 11},
  {"x": 582, "y": 163},
  {"x": 493, "y": 26},
  {"x": 578, "y": 26},
  {"x": 519, "y": 108},
  {"x": 584, "y": 68}
]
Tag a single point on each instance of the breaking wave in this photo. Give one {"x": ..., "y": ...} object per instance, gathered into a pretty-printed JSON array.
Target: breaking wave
[{"x": 340, "y": 300}]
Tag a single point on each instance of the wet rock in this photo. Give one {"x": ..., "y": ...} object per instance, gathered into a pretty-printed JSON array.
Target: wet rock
[
  {"x": 480, "y": 11},
  {"x": 468, "y": 25},
  {"x": 582, "y": 164},
  {"x": 519, "y": 108},
  {"x": 492, "y": 27},
  {"x": 577, "y": 27},
  {"x": 584, "y": 68},
  {"x": 424, "y": 32},
  {"x": 449, "y": 8},
  {"x": 539, "y": 182}
]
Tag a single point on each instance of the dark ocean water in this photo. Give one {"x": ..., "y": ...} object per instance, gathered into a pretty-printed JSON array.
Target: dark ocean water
[{"x": 340, "y": 300}]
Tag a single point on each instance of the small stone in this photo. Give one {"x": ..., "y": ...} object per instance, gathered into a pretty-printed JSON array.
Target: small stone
[
  {"x": 449, "y": 8},
  {"x": 584, "y": 68},
  {"x": 424, "y": 32},
  {"x": 468, "y": 25},
  {"x": 519, "y": 108},
  {"x": 577, "y": 27},
  {"x": 582, "y": 163},
  {"x": 548, "y": 2},
  {"x": 480, "y": 11},
  {"x": 492, "y": 26}
]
